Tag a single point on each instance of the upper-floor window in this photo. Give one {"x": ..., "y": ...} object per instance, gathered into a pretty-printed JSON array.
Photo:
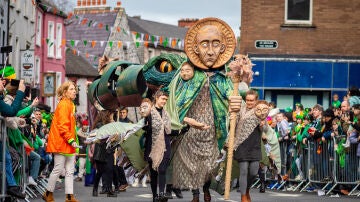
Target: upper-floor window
[
  {"x": 50, "y": 39},
  {"x": 298, "y": 11},
  {"x": 58, "y": 40},
  {"x": 38, "y": 29}
]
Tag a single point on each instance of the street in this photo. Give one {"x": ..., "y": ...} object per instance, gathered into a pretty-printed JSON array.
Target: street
[{"x": 140, "y": 194}]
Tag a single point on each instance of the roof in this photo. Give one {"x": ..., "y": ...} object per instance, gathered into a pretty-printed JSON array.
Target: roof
[
  {"x": 156, "y": 28},
  {"x": 76, "y": 31},
  {"x": 78, "y": 66}
]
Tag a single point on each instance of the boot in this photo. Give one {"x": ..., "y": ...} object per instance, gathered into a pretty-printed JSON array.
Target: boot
[
  {"x": 48, "y": 197},
  {"x": 262, "y": 187},
  {"x": 195, "y": 198},
  {"x": 156, "y": 198},
  {"x": 207, "y": 196},
  {"x": 95, "y": 192},
  {"x": 168, "y": 191},
  {"x": 262, "y": 182},
  {"x": 248, "y": 195},
  {"x": 244, "y": 198},
  {"x": 70, "y": 198},
  {"x": 178, "y": 193},
  {"x": 110, "y": 193},
  {"x": 162, "y": 197}
]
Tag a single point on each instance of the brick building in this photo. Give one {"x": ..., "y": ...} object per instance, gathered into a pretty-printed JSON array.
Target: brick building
[{"x": 304, "y": 51}]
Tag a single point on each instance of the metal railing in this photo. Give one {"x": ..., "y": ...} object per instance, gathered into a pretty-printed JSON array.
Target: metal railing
[{"x": 326, "y": 164}]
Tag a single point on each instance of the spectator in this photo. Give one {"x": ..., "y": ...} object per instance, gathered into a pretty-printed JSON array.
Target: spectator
[
  {"x": 10, "y": 110},
  {"x": 82, "y": 151},
  {"x": 335, "y": 102},
  {"x": 354, "y": 95},
  {"x": 104, "y": 159},
  {"x": 120, "y": 178}
]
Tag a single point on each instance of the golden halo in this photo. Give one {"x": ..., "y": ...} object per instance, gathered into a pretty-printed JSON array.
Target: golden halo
[{"x": 225, "y": 29}]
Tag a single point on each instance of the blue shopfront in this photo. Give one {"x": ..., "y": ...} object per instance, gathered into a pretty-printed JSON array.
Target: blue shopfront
[{"x": 287, "y": 81}]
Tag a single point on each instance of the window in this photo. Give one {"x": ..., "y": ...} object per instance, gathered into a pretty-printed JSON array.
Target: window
[
  {"x": 58, "y": 40},
  {"x": 50, "y": 39},
  {"x": 38, "y": 29},
  {"x": 284, "y": 101},
  {"x": 37, "y": 71},
  {"x": 298, "y": 11}
]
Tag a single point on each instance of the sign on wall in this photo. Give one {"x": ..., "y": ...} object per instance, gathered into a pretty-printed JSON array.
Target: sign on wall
[
  {"x": 266, "y": 44},
  {"x": 27, "y": 66}
]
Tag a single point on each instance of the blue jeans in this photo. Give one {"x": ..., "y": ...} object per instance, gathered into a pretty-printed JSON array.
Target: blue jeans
[
  {"x": 10, "y": 179},
  {"x": 35, "y": 164}
]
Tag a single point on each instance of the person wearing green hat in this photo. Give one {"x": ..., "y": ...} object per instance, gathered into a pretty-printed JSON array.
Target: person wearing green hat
[
  {"x": 7, "y": 74},
  {"x": 10, "y": 110}
]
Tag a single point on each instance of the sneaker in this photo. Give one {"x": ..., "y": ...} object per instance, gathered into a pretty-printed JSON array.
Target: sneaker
[
  {"x": 123, "y": 187},
  {"x": 299, "y": 178},
  {"x": 310, "y": 189},
  {"x": 136, "y": 183},
  {"x": 32, "y": 181},
  {"x": 78, "y": 179},
  {"x": 344, "y": 192},
  {"x": 143, "y": 181}
]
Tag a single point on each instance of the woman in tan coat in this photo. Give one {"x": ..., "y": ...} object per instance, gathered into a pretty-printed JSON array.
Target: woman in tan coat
[{"x": 62, "y": 142}]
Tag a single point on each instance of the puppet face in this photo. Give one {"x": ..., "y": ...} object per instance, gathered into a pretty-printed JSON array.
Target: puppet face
[
  {"x": 209, "y": 45},
  {"x": 187, "y": 72},
  {"x": 262, "y": 111},
  {"x": 145, "y": 109}
]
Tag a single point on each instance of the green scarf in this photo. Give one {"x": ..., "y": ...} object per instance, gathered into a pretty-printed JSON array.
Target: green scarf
[
  {"x": 341, "y": 153},
  {"x": 183, "y": 94}
]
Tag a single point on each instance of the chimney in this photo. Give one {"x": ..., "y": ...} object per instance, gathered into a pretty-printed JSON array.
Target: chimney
[
  {"x": 91, "y": 6},
  {"x": 187, "y": 22},
  {"x": 118, "y": 6}
]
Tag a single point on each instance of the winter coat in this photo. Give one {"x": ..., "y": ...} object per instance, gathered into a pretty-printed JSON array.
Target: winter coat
[{"x": 62, "y": 130}]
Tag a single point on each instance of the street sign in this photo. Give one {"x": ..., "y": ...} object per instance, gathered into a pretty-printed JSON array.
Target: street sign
[
  {"x": 266, "y": 44},
  {"x": 27, "y": 66}
]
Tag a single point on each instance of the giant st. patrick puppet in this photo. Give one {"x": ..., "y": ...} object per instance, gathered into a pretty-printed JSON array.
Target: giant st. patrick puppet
[{"x": 199, "y": 96}]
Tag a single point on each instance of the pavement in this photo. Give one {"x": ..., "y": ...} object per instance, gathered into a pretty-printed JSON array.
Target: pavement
[{"x": 141, "y": 194}]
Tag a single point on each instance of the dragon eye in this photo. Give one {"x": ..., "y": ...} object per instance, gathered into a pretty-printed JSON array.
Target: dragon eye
[{"x": 165, "y": 67}]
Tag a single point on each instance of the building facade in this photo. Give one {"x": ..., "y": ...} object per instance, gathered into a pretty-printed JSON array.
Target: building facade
[
  {"x": 304, "y": 51},
  {"x": 49, "y": 61},
  {"x": 21, "y": 34},
  {"x": 3, "y": 28}
]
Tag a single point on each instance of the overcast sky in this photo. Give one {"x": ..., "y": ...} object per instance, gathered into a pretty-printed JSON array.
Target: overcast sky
[{"x": 170, "y": 11}]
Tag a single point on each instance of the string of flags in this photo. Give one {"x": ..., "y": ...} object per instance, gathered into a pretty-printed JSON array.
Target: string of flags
[
  {"x": 155, "y": 40},
  {"x": 140, "y": 38}
]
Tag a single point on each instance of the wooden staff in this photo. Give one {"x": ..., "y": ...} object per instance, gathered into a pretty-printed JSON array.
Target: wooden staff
[{"x": 230, "y": 150}]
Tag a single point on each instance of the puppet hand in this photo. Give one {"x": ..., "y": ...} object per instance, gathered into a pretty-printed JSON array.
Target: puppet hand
[
  {"x": 195, "y": 124},
  {"x": 235, "y": 103}
]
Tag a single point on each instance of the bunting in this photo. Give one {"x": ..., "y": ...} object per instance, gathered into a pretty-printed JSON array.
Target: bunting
[{"x": 166, "y": 42}]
